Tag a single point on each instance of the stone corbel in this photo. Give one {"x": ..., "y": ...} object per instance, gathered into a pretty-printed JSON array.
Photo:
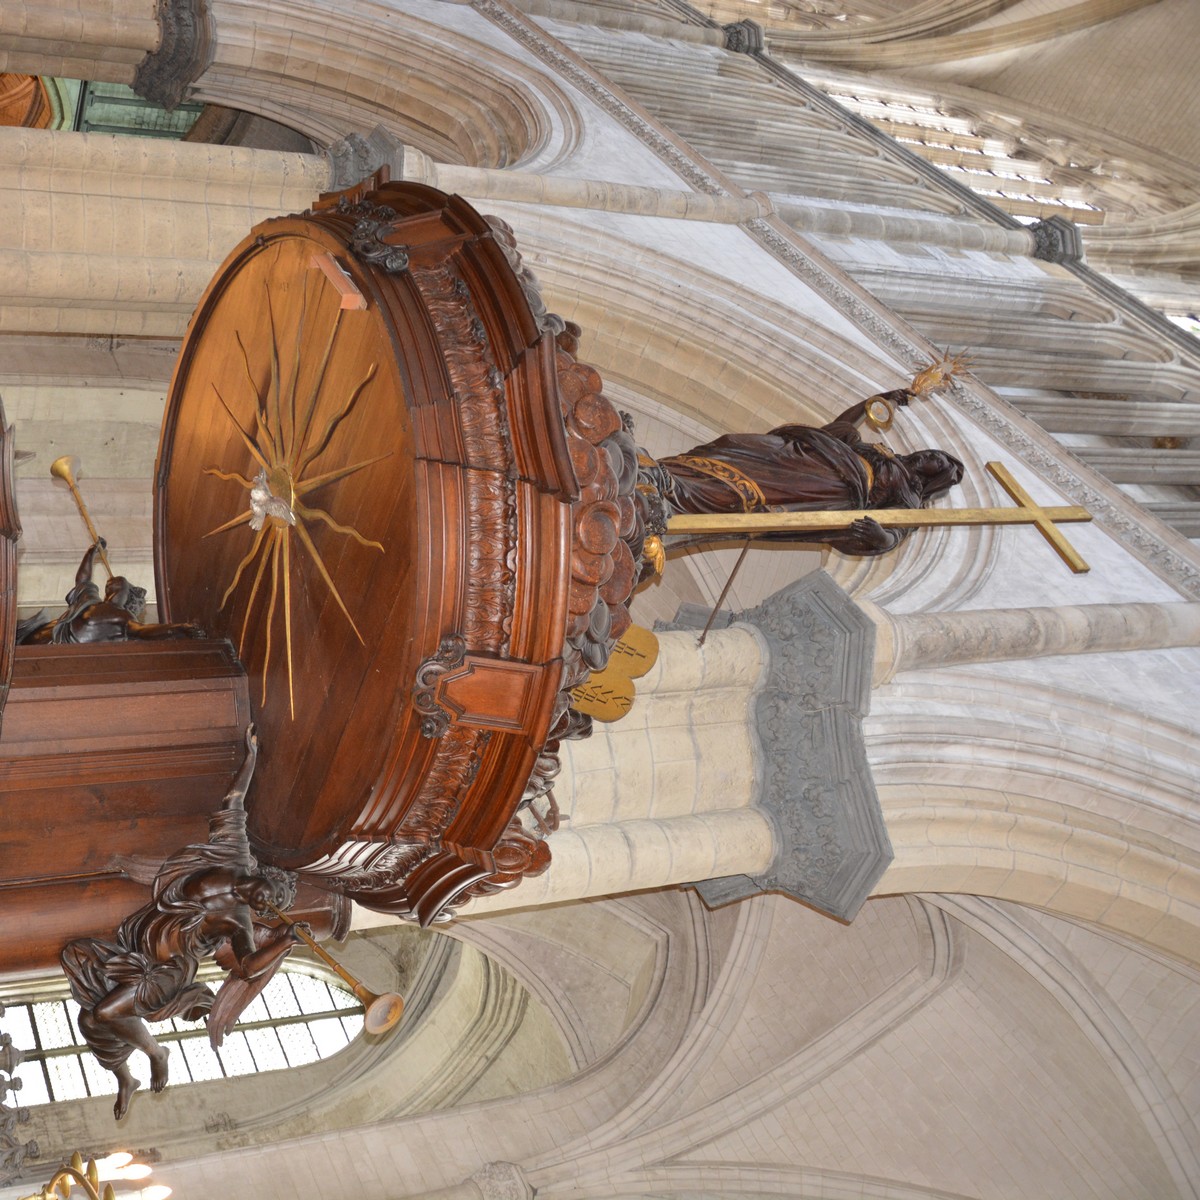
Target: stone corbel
[
  {"x": 1057, "y": 240},
  {"x": 502, "y": 1181},
  {"x": 184, "y": 52},
  {"x": 817, "y": 788},
  {"x": 354, "y": 157},
  {"x": 744, "y": 37}
]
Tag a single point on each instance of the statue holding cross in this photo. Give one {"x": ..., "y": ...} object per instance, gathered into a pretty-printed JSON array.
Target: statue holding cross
[{"x": 826, "y": 484}]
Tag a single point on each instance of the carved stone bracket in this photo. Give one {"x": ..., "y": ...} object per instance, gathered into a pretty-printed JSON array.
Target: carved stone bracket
[
  {"x": 817, "y": 785},
  {"x": 1057, "y": 240},
  {"x": 183, "y": 54},
  {"x": 354, "y": 157},
  {"x": 744, "y": 37}
]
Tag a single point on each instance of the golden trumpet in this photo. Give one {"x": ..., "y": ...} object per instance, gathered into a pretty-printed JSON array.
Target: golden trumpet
[
  {"x": 66, "y": 468},
  {"x": 383, "y": 1012}
]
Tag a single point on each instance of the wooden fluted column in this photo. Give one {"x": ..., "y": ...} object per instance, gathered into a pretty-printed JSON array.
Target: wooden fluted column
[{"x": 121, "y": 234}]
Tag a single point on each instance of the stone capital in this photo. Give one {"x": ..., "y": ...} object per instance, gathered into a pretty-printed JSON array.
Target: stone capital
[
  {"x": 744, "y": 37},
  {"x": 354, "y": 157},
  {"x": 184, "y": 52},
  {"x": 1057, "y": 240},
  {"x": 816, "y": 782}
]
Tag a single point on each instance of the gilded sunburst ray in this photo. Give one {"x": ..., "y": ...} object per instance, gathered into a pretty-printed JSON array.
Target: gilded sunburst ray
[{"x": 282, "y": 448}]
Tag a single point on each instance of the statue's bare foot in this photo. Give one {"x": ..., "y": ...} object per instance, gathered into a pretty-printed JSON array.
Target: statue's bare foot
[
  {"x": 158, "y": 1069},
  {"x": 126, "y": 1086}
]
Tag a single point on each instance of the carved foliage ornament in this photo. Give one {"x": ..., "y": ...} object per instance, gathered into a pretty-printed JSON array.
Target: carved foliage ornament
[
  {"x": 450, "y": 654},
  {"x": 368, "y": 238}
]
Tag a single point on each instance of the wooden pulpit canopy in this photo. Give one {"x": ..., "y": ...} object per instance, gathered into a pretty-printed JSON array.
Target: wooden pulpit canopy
[{"x": 366, "y": 482}]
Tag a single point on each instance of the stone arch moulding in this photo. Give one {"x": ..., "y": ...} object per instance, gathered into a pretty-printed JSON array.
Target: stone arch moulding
[
  {"x": 1036, "y": 859},
  {"x": 456, "y": 97}
]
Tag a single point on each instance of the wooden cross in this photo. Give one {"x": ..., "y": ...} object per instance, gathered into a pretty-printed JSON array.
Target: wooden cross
[{"x": 1027, "y": 512}]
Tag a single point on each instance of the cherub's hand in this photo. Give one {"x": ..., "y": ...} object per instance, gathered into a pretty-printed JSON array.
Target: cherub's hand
[{"x": 251, "y": 741}]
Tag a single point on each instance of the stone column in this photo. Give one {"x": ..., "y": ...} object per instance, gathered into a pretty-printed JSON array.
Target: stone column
[
  {"x": 158, "y": 47},
  {"x": 122, "y": 234},
  {"x": 104, "y": 40},
  {"x": 740, "y": 769},
  {"x": 922, "y": 640},
  {"x": 667, "y": 794}
]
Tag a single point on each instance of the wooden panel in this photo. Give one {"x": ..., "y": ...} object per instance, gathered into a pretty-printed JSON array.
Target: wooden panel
[{"x": 106, "y": 750}]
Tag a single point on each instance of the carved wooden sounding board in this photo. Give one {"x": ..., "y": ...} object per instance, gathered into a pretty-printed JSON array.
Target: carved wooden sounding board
[
  {"x": 375, "y": 387},
  {"x": 410, "y": 511}
]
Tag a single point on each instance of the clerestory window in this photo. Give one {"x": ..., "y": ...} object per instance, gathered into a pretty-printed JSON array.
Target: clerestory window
[{"x": 302, "y": 1015}]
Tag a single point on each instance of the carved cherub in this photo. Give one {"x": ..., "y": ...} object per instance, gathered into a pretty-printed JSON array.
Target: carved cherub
[{"x": 204, "y": 901}]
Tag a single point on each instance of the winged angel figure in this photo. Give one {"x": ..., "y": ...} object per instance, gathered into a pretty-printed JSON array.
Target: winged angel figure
[{"x": 204, "y": 901}]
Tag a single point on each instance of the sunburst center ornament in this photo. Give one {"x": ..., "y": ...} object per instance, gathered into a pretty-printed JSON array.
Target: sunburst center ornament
[
  {"x": 271, "y": 497},
  {"x": 285, "y": 442}
]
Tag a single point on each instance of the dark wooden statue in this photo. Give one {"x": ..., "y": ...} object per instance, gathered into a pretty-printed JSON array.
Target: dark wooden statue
[
  {"x": 796, "y": 468},
  {"x": 89, "y": 617},
  {"x": 204, "y": 899}
]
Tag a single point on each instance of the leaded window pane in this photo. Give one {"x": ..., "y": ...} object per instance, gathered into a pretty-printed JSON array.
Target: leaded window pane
[
  {"x": 313, "y": 994},
  {"x": 33, "y": 1083},
  {"x": 99, "y": 1081},
  {"x": 343, "y": 999},
  {"x": 280, "y": 999},
  {"x": 236, "y": 1056},
  {"x": 329, "y": 1036},
  {"x": 201, "y": 1058},
  {"x": 264, "y": 1045},
  {"x": 18, "y": 1024},
  {"x": 255, "y": 1011},
  {"x": 66, "y": 1077},
  {"x": 73, "y": 1017},
  {"x": 298, "y": 1044},
  {"x": 53, "y": 1028}
]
